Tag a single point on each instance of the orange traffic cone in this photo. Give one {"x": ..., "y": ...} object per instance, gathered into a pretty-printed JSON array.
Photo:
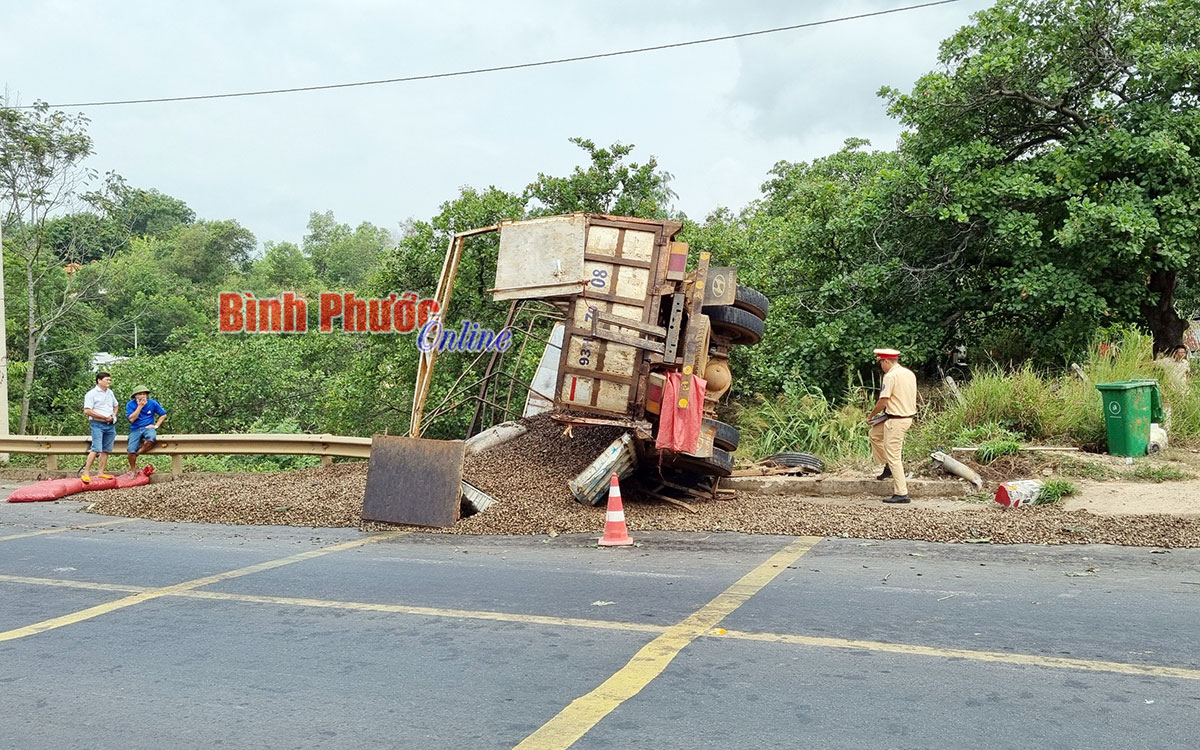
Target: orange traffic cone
[{"x": 615, "y": 532}]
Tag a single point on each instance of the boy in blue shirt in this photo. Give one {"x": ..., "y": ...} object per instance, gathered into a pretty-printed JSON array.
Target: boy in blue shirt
[{"x": 145, "y": 416}]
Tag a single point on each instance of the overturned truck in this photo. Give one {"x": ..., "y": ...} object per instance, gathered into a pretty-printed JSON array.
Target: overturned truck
[{"x": 639, "y": 340}]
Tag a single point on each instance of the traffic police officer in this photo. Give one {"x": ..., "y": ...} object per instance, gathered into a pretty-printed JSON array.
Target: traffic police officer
[{"x": 890, "y": 419}]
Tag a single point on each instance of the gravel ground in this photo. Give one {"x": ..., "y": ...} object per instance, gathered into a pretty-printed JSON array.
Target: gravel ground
[
  {"x": 536, "y": 466},
  {"x": 529, "y": 476},
  {"x": 328, "y": 496}
]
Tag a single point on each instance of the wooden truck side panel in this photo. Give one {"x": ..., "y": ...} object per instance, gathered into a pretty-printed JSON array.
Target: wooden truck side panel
[{"x": 624, "y": 266}]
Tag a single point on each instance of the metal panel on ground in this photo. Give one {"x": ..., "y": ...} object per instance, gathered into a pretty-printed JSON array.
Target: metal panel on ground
[{"x": 414, "y": 481}]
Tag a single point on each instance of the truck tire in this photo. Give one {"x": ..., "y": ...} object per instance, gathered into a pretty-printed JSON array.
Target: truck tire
[
  {"x": 752, "y": 300},
  {"x": 738, "y": 325},
  {"x": 748, "y": 299},
  {"x": 793, "y": 459},
  {"x": 727, "y": 437},
  {"x": 720, "y": 464}
]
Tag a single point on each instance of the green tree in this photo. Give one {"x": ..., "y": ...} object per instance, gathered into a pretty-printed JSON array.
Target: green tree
[
  {"x": 608, "y": 185},
  {"x": 284, "y": 265},
  {"x": 811, "y": 243},
  {"x": 84, "y": 237},
  {"x": 158, "y": 308},
  {"x": 205, "y": 252},
  {"x": 149, "y": 212},
  {"x": 1056, "y": 153},
  {"x": 42, "y": 174},
  {"x": 342, "y": 255}
]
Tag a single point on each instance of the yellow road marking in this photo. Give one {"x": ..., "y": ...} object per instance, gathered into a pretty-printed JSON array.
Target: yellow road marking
[
  {"x": 73, "y": 584},
  {"x": 406, "y": 609},
  {"x": 149, "y": 594},
  {"x": 61, "y": 529},
  {"x": 585, "y": 712},
  {"x": 995, "y": 657}
]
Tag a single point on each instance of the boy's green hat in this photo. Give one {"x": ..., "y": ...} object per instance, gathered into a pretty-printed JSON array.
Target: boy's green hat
[{"x": 141, "y": 389}]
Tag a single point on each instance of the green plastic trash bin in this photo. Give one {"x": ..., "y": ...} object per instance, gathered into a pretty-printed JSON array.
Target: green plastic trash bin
[
  {"x": 1129, "y": 407},
  {"x": 1156, "y": 408}
]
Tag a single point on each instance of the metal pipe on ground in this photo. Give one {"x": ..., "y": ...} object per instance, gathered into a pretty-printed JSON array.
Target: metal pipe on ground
[
  {"x": 494, "y": 436},
  {"x": 957, "y": 468}
]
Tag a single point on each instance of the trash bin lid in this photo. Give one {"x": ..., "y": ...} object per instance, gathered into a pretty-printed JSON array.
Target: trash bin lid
[{"x": 1121, "y": 385}]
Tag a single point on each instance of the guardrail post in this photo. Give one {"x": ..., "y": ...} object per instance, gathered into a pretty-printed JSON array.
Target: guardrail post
[
  {"x": 51, "y": 462},
  {"x": 176, "y": 464},
  {"x": 327, "y": 460}
]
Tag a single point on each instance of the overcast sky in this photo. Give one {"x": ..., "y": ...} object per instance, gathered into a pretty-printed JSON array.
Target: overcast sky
[{"x": 717, "y": 116}]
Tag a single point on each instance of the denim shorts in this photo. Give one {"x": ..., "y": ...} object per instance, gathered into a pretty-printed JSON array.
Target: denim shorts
[
  {"x": 103, "y": 434},
  {"x": 137, "y": 435}
]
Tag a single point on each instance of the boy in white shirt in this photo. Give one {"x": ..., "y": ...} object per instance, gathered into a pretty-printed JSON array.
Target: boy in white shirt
[{"x": 100, "y": 406}]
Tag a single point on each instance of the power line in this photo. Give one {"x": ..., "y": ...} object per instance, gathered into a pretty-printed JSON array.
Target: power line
[{"x": 498, "y": 68}]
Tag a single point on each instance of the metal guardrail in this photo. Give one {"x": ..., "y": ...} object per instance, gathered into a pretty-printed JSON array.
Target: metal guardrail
[{"x": 178, "y": 446}]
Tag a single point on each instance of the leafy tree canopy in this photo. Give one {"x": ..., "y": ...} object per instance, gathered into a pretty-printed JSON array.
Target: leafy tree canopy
[
  {"x": 608, "y": 185},
  {"x": 341, "y": 255},
  {"x": 1053, "y": 160},
  {"x": 205, "y": 252}
]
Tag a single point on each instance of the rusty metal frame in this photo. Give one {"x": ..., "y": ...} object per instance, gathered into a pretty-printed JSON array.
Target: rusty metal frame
[
  {"x": 487, "y": 373},
  {"x": 457, "y": 396},
  {"x": 445, "y": 288}
]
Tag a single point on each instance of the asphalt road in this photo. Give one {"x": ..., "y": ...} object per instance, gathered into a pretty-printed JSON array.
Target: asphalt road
[{"x": 138, "y": 634}]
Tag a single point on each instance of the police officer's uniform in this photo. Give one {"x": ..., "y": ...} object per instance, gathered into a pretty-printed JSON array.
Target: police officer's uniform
[{"x": 887, "y": 437}]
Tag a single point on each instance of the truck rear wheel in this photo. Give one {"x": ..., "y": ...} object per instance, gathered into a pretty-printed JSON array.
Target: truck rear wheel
[
  {"x": 749, "y": 299},
  {"x": 737, "y": 325},
  {"x": 727, "y": 437},
  {"x": 752, "y": 300},
  {"x": 719, "y": 464}
]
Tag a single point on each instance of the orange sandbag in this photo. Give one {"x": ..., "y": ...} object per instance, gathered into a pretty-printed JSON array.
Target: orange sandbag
[
  {"x": 50, "y": 489},
  {"x": 131, "y": 480},
  {"x": 54, "y": 489}
]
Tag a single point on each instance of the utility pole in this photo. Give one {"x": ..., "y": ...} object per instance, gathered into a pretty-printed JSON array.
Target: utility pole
[{"x": 3, "y": 350}]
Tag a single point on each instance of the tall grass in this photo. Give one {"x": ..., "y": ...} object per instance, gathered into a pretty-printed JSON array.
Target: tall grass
[
  {"x": 803, "y": 419},
  {"x": 1022, "y": 404},
  {"x": 1059, "y": 407}
]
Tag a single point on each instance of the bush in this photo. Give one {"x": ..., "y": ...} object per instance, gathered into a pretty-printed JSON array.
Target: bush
[
  {"x": 217, "y": 384},
  {"x": 983, "y": 433}
]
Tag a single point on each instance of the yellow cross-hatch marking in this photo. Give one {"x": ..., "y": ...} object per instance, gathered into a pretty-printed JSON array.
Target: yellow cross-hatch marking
[
  {"x": 585, "y": 712},
  {"x": 61, "y": 529},
  {"x": 907, "y": 649},
  {"x": 73, "y": 584},
  {"x": 408, "y": 609},
  {"x": 155, "y": 593},
  {"x": 995, "y": 657}
]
